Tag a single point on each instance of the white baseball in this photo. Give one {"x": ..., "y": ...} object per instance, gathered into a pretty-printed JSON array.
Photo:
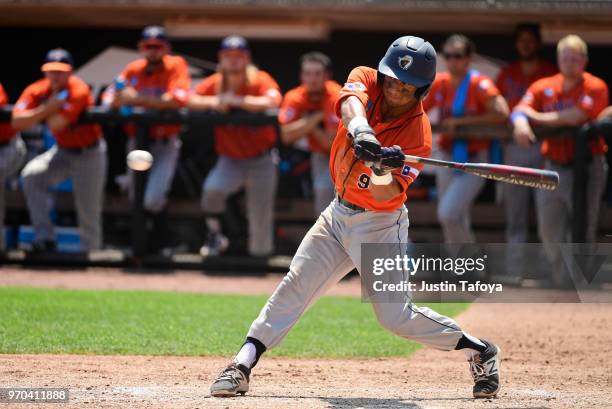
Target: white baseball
[{"x": 139, "y": 160}]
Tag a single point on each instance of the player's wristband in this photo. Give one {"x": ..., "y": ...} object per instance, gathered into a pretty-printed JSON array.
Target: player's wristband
[
  {"x": 516, "y": 115},
  {"x": 355, "y": 122},
  {"x": 385, "y": 179}
]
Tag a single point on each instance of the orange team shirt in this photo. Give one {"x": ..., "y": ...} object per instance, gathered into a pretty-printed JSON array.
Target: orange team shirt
[
  {"x": 297, "y": 103},
  {"x": 79, "y": 98},
  {"x": 243, "y": 142},
  {"x": 513, "y": 83},
  {"x": 173, "y": 79},
  {"x": 6, "y": 131},
  {"x": 442, "y": 94},
  {"x": 547, "y": 95},
  {"x": 411, "y": 131}
]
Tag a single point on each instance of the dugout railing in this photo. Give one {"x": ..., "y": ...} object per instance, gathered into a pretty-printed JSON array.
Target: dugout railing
[{"x": 144, "y": 119}]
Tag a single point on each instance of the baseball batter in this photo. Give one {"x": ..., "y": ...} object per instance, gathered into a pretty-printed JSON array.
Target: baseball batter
[
  {"x": 157, "y": 81},
  {"x": 12, "y": 155},
  {"x": 246, "y": 157},
  {"x": 57, "y": 101},
  {"x": 382, "y": 119},
  {"x": 309, "y": 110}
]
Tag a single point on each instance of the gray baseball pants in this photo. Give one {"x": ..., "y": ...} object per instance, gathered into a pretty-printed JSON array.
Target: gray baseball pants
[
  {"x": 12, "y": 156},
  {"x": 259, "y": 177},
  {"x": 516, "y": 203},
  {"x": 159, "y": 180},
  {"x": 322, "y": 185},
  {"x": 457, "y": 192},
  {"x": 87, "y": 170},
  {"x": 555, "y": 207},
  {"x": 329, "y": 251}
]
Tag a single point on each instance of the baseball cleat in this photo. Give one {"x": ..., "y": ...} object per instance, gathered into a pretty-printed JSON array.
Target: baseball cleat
[
  {"x": 231, "y": 381},
  {"x": 485, "y": 371},
  {"x": 216, "y": 243}
]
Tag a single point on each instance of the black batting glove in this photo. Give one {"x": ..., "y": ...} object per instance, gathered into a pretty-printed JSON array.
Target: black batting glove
[
  {"x": 365, "y": 145},
  {"x": 390, "y": 158}
]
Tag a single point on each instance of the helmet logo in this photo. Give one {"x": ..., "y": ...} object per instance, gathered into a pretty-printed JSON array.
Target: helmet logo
[{"x": 405, "y": 62}]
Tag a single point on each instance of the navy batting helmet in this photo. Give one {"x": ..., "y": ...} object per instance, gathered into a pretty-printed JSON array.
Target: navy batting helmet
[{"x": 411, "y": 60}]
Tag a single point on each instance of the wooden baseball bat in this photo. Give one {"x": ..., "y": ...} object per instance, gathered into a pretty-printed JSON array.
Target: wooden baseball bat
[{"x": 536, "y": 178}]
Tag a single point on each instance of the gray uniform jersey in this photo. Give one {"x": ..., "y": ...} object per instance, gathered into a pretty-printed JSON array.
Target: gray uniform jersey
[
  {"x": 329, "y": 251},
  {"x": 12, "y": 156}
]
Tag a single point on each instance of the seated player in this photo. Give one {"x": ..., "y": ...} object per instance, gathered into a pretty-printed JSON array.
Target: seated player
[
  {"x": 513, "y": 82},
  {"x": 57, "y": 101},
  {"x": 245, "y": 153},
  {"x": 158, "y": 81},
  {"x": 572, "y": 97},
  {"x": 308, "y": 110},
  {"x": 465, "y": 97},
  {"x": 12, "y": 155}
]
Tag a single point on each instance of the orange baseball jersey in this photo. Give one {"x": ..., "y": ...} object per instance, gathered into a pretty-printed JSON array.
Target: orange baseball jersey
[
  {"x": 513, "y": 83},
  {"x": 411, "y": 131},
  {"x": 546, "y": 95},
  {"x": 442, "y": 95},
  {"x": 243, "y": 142},
  {"x": 6, "y": 131},
  {"x": 79, "y": 98},
  {"x": 173, "y": 79},
  {"x": 297, "y": 103}
]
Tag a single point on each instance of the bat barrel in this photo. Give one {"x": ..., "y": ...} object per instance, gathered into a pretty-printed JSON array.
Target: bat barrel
[{"x": 538, "y": 178}]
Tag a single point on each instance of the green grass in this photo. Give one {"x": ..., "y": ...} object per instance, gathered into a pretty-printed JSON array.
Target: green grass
[{"x": 165, "y": 323}]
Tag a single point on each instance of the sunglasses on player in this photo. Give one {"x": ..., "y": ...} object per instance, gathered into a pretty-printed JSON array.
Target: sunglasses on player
[
  {"x": 153, "y": 46},
  {"x": 454, "y": 56}
]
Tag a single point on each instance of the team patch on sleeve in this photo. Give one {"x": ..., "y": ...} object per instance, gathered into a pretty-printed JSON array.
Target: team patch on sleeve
[
  {"x": 410, "y": 172},
  {"x": 484, "y": 84},
  {"x": 586, "y": 101},
  {"x": 272, "y": 93},
  {"x": 354, "y": 86}
]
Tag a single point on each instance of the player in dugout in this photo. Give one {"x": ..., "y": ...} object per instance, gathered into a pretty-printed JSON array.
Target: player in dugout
[
  {"x": 513, "y": 81},
  {"x": 464, "y": 97},
  {"x": 308, "y": 110},
  {"x": 246, "y": 157},
  {"x": 157, "y": 81},
  {"x": 57, "y": 101},
  {"x": 12, "y": 155},
  {"x": 571, "y": 98}
]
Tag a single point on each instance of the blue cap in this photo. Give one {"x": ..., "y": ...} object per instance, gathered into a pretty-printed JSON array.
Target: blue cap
[
  {"x": 234, "y": 43},
  {"x": 58, "y": 59},
  {"x": 154, "y": 33}
]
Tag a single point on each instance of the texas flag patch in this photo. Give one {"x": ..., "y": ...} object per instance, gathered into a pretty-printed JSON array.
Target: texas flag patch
[{"x": 410, "y": 172}]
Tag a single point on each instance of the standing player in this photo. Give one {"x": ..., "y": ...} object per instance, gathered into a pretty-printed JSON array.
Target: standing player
[
  {"x": 377, "y": 108},
  {"x": 245, "y": 153},
  {"x": 12, "y": 154},
  {"x": 57, "y": 101},
  {"x": 513, "y": 82},
  {"x": 465, "y": 97},
  {"x": 309, "y": 110},
  {"x": 572, "y": 97},
  {"x": 157, "y": 81}
]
